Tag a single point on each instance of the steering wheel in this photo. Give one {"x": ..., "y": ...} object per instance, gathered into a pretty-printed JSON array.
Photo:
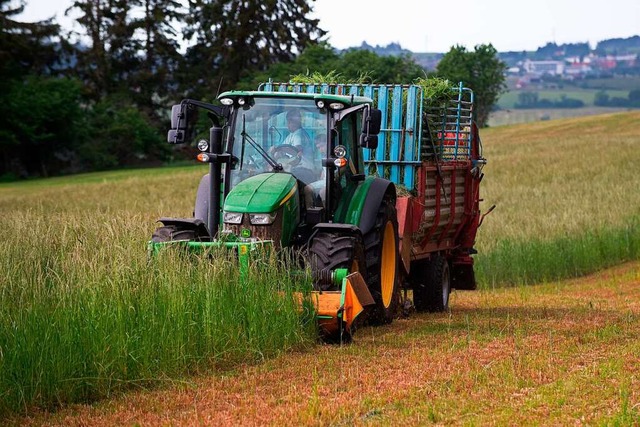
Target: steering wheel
[{"x": 286, "y": 154}]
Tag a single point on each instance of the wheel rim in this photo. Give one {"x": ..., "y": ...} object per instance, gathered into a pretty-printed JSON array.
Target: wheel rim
[{"x": 388, "y": 265}]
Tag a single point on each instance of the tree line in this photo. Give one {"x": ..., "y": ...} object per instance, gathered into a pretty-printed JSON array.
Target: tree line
[{"x": 98, "y": 96}]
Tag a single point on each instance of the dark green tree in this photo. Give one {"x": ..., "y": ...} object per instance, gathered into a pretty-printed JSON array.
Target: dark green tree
[
  {"x": 40, "y": 126},
  {"x": 118, "y": 134},
  {"x": 25, "y": 47},
  {"x": 634, "y": 97},
  {"x": 601, "y": 99},
  {"x": 36, "y": 108},
  {"x": 380, "y": 69},
  {"x": 107, "y": 64},
  {"x": 154, "y": 79},
  {"x": 527, "y": 100},
  {"x": 352, "y": 65},
  {"x": 234, "y": 38},
  {"x": 320, "y": 57},
  {"x": 481, "y": 70}
]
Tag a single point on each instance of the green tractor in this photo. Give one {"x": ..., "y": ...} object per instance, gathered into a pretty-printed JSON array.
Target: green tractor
[{"x": 287, "y": 171}]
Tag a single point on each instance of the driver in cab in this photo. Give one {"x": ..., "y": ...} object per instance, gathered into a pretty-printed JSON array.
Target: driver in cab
[{"x": 293, "y": 153}]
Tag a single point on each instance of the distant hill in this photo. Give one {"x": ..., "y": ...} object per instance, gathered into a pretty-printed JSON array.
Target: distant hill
[{"x": 626, "y": 46}]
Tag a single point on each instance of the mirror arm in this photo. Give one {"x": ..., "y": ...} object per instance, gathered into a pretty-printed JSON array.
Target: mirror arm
[
  {"x": 342, "y": 113},
  {"x": 215, "y": 109}
]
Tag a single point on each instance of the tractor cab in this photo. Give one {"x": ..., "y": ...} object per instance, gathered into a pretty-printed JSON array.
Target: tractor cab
[
  {"x": 312, "y": 138},
  {"x": 286, "y": 161}
]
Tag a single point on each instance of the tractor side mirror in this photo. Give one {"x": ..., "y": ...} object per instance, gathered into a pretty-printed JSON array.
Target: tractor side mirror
[
  {"x": 369, "y": 141},
  {"x": 372, "y": 121},
  {"x": 178, "y": 129},
  {"x": 370, "y": 129}
]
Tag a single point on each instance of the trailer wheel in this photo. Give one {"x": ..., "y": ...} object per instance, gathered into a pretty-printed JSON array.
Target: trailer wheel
[
  {"x": 171, "y": 233},
  {"x": 329, "y": 251},
  {"x": 382, "y": 264},
  {"x": 432, "y": 293}
]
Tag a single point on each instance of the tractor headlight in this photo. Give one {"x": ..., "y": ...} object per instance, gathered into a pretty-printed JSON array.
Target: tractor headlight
[
  {"x": 262, "y": 219},
  {"x": 203, "y": 145},
  {"x": 232, "y": 218}
]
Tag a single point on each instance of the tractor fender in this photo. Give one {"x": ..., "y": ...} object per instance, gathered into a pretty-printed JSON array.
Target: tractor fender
[
  {"x": 378, "y": 190},
  {"x": 348, "y": 229},
  {"x": 195, "y": 224},
  {"x": 201, "y": 210}
]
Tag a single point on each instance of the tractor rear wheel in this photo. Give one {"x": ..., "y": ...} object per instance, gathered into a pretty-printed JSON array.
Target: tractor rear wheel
[
  {"x": 171, "y": 233},
  {"x": 329, "y": 251},
  {"x": 382, "y": 264},
  {"x": 432, "y": 292}
]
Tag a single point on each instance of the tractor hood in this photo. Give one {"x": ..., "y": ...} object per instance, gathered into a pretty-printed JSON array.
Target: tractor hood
[{"x": 262, "y": 193}]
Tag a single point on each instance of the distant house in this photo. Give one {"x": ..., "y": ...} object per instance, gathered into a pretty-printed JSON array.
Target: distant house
[
  {"x": 578, "y": 66},
  {"x": 606, "y": 63},
  {"x": 554, "y": 68},
  {"x": 627, "y": 60}
]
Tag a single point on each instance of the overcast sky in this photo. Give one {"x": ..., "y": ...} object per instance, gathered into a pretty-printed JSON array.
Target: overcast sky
[{"x": 436, "y": 25}]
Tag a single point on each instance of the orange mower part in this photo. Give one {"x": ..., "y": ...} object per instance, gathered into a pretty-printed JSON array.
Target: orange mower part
[{"x": 337, "y": 311}]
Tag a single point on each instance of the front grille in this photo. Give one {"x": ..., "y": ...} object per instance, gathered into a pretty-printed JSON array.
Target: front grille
[{"x": 261, "y": 232}]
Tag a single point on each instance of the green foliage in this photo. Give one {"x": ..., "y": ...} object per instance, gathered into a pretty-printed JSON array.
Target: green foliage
[
  {"x": 480, "y": 70},
  {"x": 321, "y": 63},
  {"x": 25, "y": 48},
  {"x": 236, "y": 38},
  {"x": 117, "y": 134},
  {"x": 381, "y": 69},
  {"x": 39, "y": 124},
  {"x": 602, "y": 99},
  {"x": 531, "y": 100}
]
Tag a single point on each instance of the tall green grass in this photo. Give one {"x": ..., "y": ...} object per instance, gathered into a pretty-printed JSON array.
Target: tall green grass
[
  {"x": 567, "y": 198},
  {"x": 84, "y": 313},
  {"x": 537, "y": 260}
]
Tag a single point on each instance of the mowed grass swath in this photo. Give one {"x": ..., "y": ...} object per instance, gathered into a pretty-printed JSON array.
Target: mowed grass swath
[
  {"x": 84, "y": 313},
  {"x": 567, "y": 198}
]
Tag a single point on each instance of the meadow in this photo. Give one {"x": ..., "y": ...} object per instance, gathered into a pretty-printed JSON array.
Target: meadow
[
  {"x": 506, "y": 117},
  {"x": 586, "y": 95},
  {"x": 84, "y": 314},
  {"x": 566, "y": 196}
]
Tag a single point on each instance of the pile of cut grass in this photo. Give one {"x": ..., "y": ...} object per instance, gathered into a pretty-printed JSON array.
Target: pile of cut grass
[{"x": 85, "y": 314}]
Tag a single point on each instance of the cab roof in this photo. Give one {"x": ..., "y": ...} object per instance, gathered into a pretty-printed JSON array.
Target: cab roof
[{"x": 345, "y": 99}]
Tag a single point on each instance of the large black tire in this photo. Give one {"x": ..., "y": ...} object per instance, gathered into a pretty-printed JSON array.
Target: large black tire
[
  {"x": 432, "y": 291},
  {"x": 329, "y": 251},
  {"x": 381, "y": 250},
  {"x": 171, "y": 233}
]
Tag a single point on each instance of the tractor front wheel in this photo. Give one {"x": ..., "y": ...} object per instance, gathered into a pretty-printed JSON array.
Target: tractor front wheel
[
  {"x": 382, "y": 264},
  {"x": 329, "y": 251}
]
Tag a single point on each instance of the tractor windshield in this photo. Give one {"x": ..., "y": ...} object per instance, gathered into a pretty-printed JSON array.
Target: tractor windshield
[{"x": 279, "y": 134}]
